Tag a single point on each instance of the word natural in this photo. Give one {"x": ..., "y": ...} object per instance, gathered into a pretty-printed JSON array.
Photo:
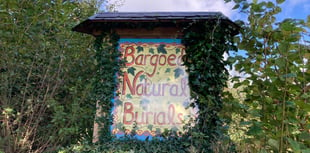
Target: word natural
[{"x": 148, "y": 89}]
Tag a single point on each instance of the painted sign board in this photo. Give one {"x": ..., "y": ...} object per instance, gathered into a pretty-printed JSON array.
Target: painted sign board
[{"x": 153, "y": 91}]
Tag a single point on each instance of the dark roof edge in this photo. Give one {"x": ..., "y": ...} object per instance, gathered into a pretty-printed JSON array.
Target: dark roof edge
[{"x": 119, "y": 17}]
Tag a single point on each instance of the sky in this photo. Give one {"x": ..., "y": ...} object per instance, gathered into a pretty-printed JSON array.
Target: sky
[{"x": 298, "y": 9}]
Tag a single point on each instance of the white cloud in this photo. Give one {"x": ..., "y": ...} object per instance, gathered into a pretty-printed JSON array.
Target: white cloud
[{"x": 175, "y": 5}]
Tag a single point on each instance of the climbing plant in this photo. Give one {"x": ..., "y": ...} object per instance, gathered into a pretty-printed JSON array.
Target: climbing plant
[
  {"x": 205, "y": 43},
  {"x": 108, "y": 66}
]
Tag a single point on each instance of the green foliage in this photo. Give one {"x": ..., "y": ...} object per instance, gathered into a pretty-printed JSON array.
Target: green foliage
[
  {"x": 44, "y": 83},
  {"x": 161, "y": 49},
  {"x": 106, "y": 79},
  {"x": 206, "y": 42},
  {"x": 131, "y": 71},
  {"x": 276, "y": 84},
  {"x": 129, "y": 144},
  {"x": 52, "y": 78}
]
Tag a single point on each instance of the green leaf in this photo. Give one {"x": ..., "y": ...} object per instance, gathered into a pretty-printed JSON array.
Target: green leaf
[
  {"x": 245, "y": 6},
  {"x": 142, "y": 77},
  {"x": 280, "y": 1},
  {"x": 168, "y": 70},
  {"x": 131, "y": 70},
  {"x": 263, "y": 151},
  {"x": 178, "y": 72},
  {"x": 290, "y": 75},
  {"x": 304, "y": 136},
  {"x": 305, "y": 150},
  {"x": 151, "y": 50},
  {"x": 129, "y": 96},
  {"x": 236, "y": 6},
  {"x": 150, "y": 126},
  {"x": 7, "y": 111},
  {"x": 303, "y": 105},
  {"x": 295, "y": 145},
  {"x": 177, "y": 50},
  {"x": 161, "y": 49},
  {"x": 280, "y": 62},
  {"x": 270, "y": 5},
  {"x": 274, "y": 143},
  {"x": 140, "y": 49},
  {"x": 255, "y": 129}
]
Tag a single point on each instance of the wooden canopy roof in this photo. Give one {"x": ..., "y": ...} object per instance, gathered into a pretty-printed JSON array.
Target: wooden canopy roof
[{"x": 101, "y": 21}]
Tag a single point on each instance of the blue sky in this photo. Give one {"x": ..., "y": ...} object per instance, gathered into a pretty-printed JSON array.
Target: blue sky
[{"x": 299, "y": 9}]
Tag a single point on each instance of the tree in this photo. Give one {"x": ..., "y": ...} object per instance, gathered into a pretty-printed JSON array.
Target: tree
[
  {"x": 276, "y": 87},
  {"x": 45, "y": 75}
]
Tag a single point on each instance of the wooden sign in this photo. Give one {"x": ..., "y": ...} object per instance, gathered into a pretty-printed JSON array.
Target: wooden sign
[{"x": 153, "y": 92}]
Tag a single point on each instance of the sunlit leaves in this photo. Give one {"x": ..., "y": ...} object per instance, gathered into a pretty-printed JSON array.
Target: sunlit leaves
[
  {"x": 203, "y": 59},
  {"x": 280, "y": 1},
  {"x": 50, "y": 69},
  {"x": 274, "y": 67}
]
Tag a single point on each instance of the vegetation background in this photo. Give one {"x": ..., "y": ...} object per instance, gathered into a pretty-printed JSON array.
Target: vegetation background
[{"x": 47, "y": 74}]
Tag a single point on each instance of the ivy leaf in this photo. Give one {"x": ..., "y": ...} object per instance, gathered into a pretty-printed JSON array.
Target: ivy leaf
[
  {"x": 142, "y": 77},
  {"x": 178, "y": 72},
  {"x": 255, "y": 129},
  {"x": 150, "y": 126},
  {"x": 128, "y": 96},
  {"x": 177, "y": 50},
  {"x": 274, "y": 143},
  {"x": 140, "y": 49},
  {"x": 151, "y": 50},
  {"x": 295, "y": 145},
  {"x": 131, "y": 70},
  {"x": 161, "y": 49},
  {"x": 167, "y": 70}
]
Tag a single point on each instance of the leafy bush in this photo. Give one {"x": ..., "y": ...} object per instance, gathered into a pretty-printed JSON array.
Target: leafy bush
[{"x": 44, "y": 82}]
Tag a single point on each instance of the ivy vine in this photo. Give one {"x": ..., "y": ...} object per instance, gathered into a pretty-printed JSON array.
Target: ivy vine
[
  {"x": 106, "y": 80},
  {"x": 205, "y": 43}
]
